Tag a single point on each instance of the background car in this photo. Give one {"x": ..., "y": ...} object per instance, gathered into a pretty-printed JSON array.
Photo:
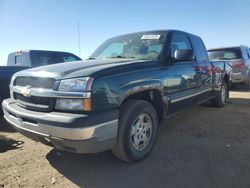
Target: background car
[
  {"x": 25, "y": 59},
  {"x": 238, "y": 58}
]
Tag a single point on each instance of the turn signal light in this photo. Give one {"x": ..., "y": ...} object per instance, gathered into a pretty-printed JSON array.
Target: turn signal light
[{"x": 87, "y": 104}]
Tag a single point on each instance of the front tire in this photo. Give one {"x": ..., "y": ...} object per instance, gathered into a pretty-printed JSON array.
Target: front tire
[
  {"x": 137, "y": 131},
  {"x": 222, "y": 96}
]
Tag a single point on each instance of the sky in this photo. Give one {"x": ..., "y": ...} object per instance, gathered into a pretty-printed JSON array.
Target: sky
[{"x": 52, "y": 24}]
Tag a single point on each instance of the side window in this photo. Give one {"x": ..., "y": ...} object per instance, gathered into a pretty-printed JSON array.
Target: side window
[
  {"x": 179, "y": 42},
  {"x": 199, "y": 48},
  {"x": 248, "y": 53}
]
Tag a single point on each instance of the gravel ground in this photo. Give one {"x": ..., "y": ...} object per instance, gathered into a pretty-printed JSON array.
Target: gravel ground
[{"x": 201, "y": 147}]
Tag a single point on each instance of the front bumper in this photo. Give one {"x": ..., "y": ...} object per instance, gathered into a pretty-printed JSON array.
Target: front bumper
[{"x": 80, "y": 133}]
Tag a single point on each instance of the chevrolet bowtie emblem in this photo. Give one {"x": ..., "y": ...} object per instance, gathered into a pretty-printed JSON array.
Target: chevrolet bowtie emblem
[{"x": 25, "y": 91}]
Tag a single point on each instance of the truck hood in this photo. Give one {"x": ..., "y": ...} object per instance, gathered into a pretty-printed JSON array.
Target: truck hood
[{"x": 75, "y": 69}]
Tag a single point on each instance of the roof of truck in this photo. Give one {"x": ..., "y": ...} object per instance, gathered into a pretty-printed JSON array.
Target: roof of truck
[
  {"x": 29, "y": 50},
  {"x": 159, "y": 30}
]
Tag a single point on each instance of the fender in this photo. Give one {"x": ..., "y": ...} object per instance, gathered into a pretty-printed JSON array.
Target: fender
[{"x": 140, "y": 86}]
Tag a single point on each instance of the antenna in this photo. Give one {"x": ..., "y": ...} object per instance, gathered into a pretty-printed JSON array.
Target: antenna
[{"x": 79, "y": 40}]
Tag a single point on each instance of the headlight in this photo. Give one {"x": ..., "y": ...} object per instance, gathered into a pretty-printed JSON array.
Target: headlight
[
  {"x": 74, "y": 104},
  {"x": 69, "y": 104},
  {"x": 74, "y": 85},
  {"x": 82, "y": 85}
]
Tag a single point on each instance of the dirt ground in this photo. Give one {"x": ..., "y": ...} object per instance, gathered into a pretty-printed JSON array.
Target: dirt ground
[{"x": 202, "y": 147}]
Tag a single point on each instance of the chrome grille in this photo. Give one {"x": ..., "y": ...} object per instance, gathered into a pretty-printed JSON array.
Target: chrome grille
[
  {"x": 33, "y": 99},
  {"x": 34, "y": 102},
  {"x": 35, "y": 82}
]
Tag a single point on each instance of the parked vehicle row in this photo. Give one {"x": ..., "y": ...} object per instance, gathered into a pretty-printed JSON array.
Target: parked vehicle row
[
  {"x": 116, "y": 99},
  {"x": 26, "y": 59}
]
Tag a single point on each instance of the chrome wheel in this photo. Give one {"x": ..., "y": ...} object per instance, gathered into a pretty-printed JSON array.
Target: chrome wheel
[
  {"x": 141, "y": 132},
  {"x": 223, "y": 94}
]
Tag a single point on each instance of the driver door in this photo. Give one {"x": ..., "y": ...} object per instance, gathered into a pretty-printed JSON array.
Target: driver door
[{"x": 181, "y": 76}]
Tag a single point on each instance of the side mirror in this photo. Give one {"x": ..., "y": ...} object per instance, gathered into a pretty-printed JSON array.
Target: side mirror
[{"x": 183, "y": 55}]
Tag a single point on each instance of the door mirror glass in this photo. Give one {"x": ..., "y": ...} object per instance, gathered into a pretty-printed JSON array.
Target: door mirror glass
[{"x": 183, "y": 55}]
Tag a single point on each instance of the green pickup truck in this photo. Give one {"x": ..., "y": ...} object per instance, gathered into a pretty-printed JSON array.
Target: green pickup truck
[{"x": 117, "y": 98}]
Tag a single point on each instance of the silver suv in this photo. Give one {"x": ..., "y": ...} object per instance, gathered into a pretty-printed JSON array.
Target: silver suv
[{"x": 238, "y": 58}]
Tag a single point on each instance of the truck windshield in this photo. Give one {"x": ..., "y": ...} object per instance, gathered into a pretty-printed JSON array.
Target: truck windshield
[
  {"x": 40, "y": 58},
  {"x": 225, "y": 54},
  {"x": 145, "y": 46}
]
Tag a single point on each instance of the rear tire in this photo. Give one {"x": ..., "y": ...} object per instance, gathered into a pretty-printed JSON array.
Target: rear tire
[
  {"x": 222, "y": 97},
  {"x": 137, "y": 131}
]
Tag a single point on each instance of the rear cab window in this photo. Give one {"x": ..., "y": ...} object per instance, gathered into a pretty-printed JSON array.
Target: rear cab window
[
  {"x": 68, "y": 57},
  {"x": 40, "y": 58},
  {"x": 18, "y": 58},
  {"x": 225, "y": 54}
]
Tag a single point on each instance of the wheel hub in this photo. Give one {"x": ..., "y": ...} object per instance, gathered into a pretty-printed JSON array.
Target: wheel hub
[{"x": 141, "y": 132}]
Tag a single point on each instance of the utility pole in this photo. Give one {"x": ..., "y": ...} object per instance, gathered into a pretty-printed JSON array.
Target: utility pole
[{"x": 79, "y": 39}]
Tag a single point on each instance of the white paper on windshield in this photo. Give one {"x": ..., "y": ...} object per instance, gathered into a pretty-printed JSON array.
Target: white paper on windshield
[{"x": 150, "y": 37}]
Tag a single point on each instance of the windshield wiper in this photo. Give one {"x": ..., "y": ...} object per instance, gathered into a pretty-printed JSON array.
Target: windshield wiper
[
  {"x": 223, "y": 58},
  {"x": 122, "y": 57},
  {"x": 91, "y": 58}
]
